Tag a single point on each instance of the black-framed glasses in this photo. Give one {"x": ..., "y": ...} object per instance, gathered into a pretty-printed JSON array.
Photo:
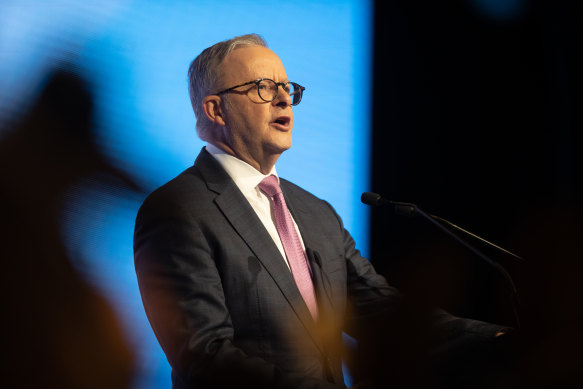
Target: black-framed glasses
[{"x": 267, "y": 89}]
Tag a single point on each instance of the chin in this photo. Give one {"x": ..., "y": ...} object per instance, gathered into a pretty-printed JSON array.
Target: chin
[
  {"x": 279, "y": 148},
  {"x": 286, "y": 146},
  {"x": 282, "y": 144}
]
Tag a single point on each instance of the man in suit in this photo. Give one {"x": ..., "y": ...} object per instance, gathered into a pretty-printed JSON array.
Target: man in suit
[{"x": 230, "y": 302}]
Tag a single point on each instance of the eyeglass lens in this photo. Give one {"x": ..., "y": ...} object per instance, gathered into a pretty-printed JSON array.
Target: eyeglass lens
[{"x": 268, "y": 91}]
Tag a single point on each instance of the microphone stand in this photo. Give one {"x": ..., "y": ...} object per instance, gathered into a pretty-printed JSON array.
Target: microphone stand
[{"x": 408, "y": 209}]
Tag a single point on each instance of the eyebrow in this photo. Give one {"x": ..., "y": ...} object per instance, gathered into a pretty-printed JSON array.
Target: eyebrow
[{"x": 285, "y": 80}]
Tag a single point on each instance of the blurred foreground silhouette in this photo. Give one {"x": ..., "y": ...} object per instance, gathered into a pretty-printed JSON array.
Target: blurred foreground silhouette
[{"x": 57, "y": 330}]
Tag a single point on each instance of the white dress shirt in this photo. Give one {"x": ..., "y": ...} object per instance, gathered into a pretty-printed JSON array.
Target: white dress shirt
[{"x": 247, "y": 178}]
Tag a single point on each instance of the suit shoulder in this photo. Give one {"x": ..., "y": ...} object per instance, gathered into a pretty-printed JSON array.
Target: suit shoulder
[
  {"x": 298, "y": 191},
  {"x": 183, "y": 186},
  {"x": 305, "y": 197}
]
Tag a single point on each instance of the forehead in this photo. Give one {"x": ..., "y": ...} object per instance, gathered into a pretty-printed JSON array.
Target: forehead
[{"x": 252, "y": 62}]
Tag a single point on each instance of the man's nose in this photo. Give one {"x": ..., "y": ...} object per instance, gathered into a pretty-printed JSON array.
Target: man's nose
[{"x": 283, "y": 99}]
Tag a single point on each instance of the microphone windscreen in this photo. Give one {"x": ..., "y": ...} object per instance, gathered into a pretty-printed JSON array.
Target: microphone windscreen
[{"x": 370, "y": 198}]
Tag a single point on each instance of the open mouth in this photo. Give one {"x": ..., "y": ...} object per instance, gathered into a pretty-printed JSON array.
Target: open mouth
[{"x": 282, "y": 120}]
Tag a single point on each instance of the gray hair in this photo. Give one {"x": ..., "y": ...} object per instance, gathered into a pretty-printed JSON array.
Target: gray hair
[{"x": 204, "y": 73}]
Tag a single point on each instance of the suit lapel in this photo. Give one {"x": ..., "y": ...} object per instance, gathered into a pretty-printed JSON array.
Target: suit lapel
[{"x": 245, "y": 221}]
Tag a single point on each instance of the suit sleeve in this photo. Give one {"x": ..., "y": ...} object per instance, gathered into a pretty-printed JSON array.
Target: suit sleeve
[{"x": 183, "y": 296}]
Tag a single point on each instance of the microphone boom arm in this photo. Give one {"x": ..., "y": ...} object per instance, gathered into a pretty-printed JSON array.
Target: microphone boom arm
[{"x": 408, "y": 209}]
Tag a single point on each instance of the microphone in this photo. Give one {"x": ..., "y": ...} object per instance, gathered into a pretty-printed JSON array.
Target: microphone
[
  {"x": 408, "y": 209},
  {"x": 375, "y": 199}
]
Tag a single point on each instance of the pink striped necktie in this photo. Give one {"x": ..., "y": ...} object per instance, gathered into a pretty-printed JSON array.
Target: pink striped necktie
[{"x": 291, "y": 242}]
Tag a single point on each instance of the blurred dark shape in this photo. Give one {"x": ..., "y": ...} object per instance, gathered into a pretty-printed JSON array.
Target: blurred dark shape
[{"x": 57, "y": 331}]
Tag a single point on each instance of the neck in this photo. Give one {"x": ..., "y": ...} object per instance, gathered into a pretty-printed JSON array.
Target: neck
[{"x": 264, "y": 165}]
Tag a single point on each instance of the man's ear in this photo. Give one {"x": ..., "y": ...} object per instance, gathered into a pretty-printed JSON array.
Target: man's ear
[{"x": 212, "y": 108}]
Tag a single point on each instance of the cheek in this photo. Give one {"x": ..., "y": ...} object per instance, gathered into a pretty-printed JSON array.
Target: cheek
[{"x": 262, "y": 118}]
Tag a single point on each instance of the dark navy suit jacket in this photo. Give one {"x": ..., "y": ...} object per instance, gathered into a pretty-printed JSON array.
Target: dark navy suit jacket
[{"x": 220, "y": 298}]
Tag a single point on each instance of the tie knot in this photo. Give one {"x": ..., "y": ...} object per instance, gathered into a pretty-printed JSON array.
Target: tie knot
[{"x": 270, "y": 186}]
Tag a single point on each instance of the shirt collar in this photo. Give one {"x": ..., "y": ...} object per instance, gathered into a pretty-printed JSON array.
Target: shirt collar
[{"x": 246, "y": 177}]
